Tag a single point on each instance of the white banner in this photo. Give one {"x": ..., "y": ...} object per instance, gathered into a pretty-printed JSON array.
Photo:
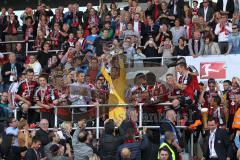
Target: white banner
[{"x": 219, "y": 67}]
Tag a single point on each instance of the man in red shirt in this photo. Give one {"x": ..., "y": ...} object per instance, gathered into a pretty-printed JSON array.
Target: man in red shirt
[
  {"x": 46, "y": 97},
  {"x": 25, "y": 92}
]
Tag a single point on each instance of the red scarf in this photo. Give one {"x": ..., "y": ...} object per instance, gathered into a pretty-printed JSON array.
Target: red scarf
[
  {"x": 129, "y": 141},
  {"x": 12, "y": 30},
  {"x": 156, "y": 11},
  {"x": 190, "y": 31},
  {"x": 53, "y": 34}
]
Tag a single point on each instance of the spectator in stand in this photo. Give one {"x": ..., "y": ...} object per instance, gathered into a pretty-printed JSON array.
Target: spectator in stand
[
  {"x": 46, "y": 97},
  {"x": 150, "y": 50},
  {"x": 92, "y": 20},
  {"x": 109, "y": 142},
  {"x": 42, "y": 134},
  {"x": 196, "y": 45},
  {"x": 166, "y": 50},
  {"x": 135, "y": 8},
  {"x": 34, "y": 64},
  {"x": 218, "y": 143},
  {"x": 54, "y": 139},
  {"x": 177, "y": 32},
  {"x": 44, "y": 56},
  {"x": 188, "y": 28},
  {"x": 188, "y": 13},
  {"x": 11, "y": 30},
  {"x": 162, "y": 34},
  {"x": 80, "y": 39},
  {"x": 64, "y": 33},
  {"x": 54, "y": 36},
  {"x": 57, "y": 18},
  {"x": 130, "y": 32},
  {"x": 43, "y": 25},
  {"x": 15, "y": 150},
  {"x": 166, "y": 16},
  {"x": 25, "y": 94},
  {"x": 87, "y": 12},
  {"x": 33, "y": 153},
  {"x": 138, "y": 57},
  {"x": 103, "y": 11},
  {"x": 182, "y": 48},
  {"x": 151, "y": 29},
  {"x": 234, "y": 41},
  {"x": 76, "y": 18},
  {"x": 101, "y": 42},
  {"x": 58, "y": 152},
  {"x": 28, "y": 12},
  {"x": 91, "y": 38},
  {"x": 156, "y": 9},
  {"x": 5, "y": 110},
  {"x": 148, "y": 11},
  {"x": 176, "y": 8},
  {"x": 80, "y": 142},
  {"x": 138, "y": 26},
  {"x": 134, "y": 146},
  {"x": 2, "y": 18},
  {"x": 20, "y": 54},
  {"x": 127, "y": 8},
  {"x": 24, "y": 136},
  {"x": 107, "y": 25},
  {"x": 128, "y": 48},
  {"x": 211, "y": 47},
  {"x": 65, "y": 133},
  {"x": 42, "y": 9},
  {"x": 222, "y": 30},
  {"x": 40, "y": 39},
  {"x": 226, "y": 6},
  {"x": 10, "y": 71},
  {"x": 206, "y": 12}
]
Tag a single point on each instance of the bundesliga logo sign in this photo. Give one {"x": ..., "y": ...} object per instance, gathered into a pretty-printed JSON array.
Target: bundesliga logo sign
[{"x": 214, "y": 70}]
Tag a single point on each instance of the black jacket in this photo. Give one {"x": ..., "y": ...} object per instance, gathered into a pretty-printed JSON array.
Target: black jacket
[
  {"x": 43, "y": 136},
  {"x": 32, "y": 155},
  {"x": 229, "y": 8},
  {"x": 109, "y": 145},
  {"x": 7, "y": 67},
  {"x": 222, "y": 145},
  {"x": 209, "y": 15}
]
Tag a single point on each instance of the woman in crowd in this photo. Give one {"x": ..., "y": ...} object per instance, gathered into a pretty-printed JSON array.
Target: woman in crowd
[
  {"x": 182, "y": 48},
  {"x": 211, "y": 48}
]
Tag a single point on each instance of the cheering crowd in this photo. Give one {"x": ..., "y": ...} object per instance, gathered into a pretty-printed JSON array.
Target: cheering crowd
[{"x": 88, "y": 68}]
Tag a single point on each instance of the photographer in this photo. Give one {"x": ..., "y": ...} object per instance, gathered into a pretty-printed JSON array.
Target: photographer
[
  {"x": 151, "y": 50},
  {"x": 166, "y": 50},
  {"x": 80, "y": 141},
  {"x": 163, "y": 33},
  {"x": 222, "y": 30}
]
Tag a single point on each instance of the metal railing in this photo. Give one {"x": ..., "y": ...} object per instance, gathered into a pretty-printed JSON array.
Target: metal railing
[
  {"x": 98, "y": 128},
  {"x": 26, "y": 47}
]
